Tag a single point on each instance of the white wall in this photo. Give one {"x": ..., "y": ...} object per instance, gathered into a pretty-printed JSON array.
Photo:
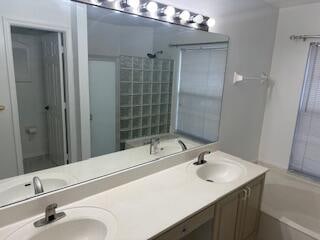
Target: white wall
[
  {"x": 31, "y": 97},
  {"x": 101, "y": 42},
  {"x": 287, "y": 73},
  {"x": 250, "y": 52}
]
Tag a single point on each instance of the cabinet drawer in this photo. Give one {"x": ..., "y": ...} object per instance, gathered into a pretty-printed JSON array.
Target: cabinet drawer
[{"x": 188, "y": 226}]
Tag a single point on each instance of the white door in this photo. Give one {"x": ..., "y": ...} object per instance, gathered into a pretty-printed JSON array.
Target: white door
[
  {"x": 55, "y": 106},
  {"x": 102, "y": 84},
  {"x": 11, "y": 164}
]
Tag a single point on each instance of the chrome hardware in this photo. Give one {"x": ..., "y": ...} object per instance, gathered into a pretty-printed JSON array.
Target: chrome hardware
[
  {"x": 201, "y": 158},
  {"x": 249, "y": 192},
  {"x": 244, "y": 198},
  {"x": 2, "y": 108},
  {"x": 37, "y": 184},
  {"x": 182, "y": 144},
  {"x": 50, "y": 216}
]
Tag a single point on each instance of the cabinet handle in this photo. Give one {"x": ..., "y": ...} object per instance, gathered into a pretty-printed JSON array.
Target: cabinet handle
[
  {"x": 2, "y": 108},
  {"x": 249, "y": 191},
  {"x": 245, "y": 194}
]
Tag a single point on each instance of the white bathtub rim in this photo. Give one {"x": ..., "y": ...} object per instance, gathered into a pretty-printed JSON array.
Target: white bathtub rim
[
  {"x": 300, "y": 228},
  {"x": 290, "y": 223},
  {"x": 279, "y": 215}
]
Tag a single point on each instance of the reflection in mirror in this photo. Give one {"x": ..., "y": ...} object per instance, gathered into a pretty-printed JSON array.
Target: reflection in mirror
[{"x": 99, "y": 92}]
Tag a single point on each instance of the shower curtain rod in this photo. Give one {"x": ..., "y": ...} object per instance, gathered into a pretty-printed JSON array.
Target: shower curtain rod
[{"x": 303, "y": 37}]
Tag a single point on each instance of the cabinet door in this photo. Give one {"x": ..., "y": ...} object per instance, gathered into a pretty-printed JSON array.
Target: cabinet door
[
  {"x": 226, "y": 222},
  {"x": 251, "y": 210}
]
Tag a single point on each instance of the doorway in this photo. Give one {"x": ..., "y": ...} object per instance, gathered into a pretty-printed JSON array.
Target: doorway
[
  {"x": 102, "y": 89},
  {"x": 38, "y": 58}
]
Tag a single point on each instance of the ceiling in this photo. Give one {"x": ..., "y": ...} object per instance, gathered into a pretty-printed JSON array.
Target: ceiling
[{"x": 289, "y": 3}]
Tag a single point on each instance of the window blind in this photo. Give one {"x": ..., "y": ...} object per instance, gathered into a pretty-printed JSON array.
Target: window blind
[
  {"x": 305, "y": 152},
  {"x": 200, "y": 91}
]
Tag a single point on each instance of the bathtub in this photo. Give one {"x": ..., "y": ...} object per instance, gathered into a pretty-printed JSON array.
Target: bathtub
[{"x": 290, "y": 208}]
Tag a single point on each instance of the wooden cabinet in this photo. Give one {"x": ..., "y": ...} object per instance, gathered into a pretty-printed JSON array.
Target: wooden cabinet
[
  {"x": 237, "y": 215},
  {"x": 227, "y": 217},
  {"x": 251, "y": 210},
  {"x": 186, "y": 227}
]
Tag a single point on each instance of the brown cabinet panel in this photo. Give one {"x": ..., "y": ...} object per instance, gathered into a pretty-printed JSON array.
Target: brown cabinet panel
[
  {"x": 227, "y": 217},
  {"x": 237, "y": 215},
  {"x": 251, "y": 211},
  {"x": 191, "y": 224}
]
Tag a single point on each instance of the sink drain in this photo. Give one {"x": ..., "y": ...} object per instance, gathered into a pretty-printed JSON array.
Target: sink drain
[{"x": 209, "y": 180}]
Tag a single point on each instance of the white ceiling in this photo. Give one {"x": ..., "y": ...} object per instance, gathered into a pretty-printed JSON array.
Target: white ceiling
[{"x": 289, "y": 3}]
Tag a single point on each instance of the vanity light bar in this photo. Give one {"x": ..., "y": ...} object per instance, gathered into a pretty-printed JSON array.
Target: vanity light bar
[{"x": 156, "y": 10}]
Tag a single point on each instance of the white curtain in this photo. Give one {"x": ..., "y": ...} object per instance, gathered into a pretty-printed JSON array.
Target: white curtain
[
  {"x": 200, "y": 91},
  {"x": 305, "y": 153}
]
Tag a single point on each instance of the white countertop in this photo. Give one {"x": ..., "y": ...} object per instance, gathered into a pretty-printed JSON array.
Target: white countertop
[
  {"x": 88, "y": 169},
  {"x": 150, "y": 205}
]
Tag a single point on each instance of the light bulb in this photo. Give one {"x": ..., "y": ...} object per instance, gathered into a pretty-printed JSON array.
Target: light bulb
[
  {"x": 152, "y": 7},
  {"x": 133, "y": 3},
  {"x": 185, "y": 15},
  {"x": 169, "y": 11},
  {"x": 198, "y": 19},
  {"x": 211, "y": 22}
]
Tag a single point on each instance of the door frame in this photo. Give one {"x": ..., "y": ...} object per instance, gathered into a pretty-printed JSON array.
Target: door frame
[
  {"x": 69, "y": 84},
  {"x": 116, "y": 62}
]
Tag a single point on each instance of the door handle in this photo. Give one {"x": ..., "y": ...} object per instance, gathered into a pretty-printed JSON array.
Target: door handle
[
  {"x": 2, "y": 108},
  {"x": 47, "y": 107}
]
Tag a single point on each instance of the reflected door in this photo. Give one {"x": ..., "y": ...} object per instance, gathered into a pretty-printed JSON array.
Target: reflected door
[
  {"x": 102, "y": 84},
  {"x": 55, "y": 103}
]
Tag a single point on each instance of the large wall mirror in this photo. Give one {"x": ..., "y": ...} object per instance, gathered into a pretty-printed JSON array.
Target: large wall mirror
[{"x": 88, "y": 91}]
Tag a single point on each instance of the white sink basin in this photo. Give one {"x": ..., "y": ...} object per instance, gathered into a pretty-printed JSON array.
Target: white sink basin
[
  {"x": 21, "y": 187},
  {"x": 220, "y": 171},
  {"x": 82, "y": 223}
]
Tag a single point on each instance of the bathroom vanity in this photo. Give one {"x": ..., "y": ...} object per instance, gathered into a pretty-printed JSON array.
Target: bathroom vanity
[
  {"x": 181, "y": 202},
  {"x": 235, "y": 216}
]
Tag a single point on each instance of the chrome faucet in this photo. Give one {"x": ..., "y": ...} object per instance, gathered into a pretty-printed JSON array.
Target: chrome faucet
[
  {"x": 154, "y": 145},
  {"x": 201, "y": 160},
  {"x": 183, "y": 145},
  {"x": 50, "y": 216},
  {"x": 37, "y": 184}
]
